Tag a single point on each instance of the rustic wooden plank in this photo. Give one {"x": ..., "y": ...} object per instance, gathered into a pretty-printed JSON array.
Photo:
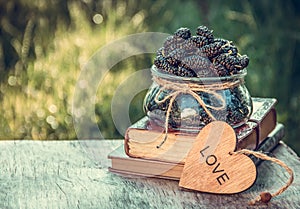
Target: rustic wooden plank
[{"x": 63, "y": 174}]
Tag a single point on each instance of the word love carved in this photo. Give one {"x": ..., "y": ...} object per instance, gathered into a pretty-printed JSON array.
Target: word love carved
[
  {"x": 211, "y": 160},
  {"x": 209, "y": 166}
]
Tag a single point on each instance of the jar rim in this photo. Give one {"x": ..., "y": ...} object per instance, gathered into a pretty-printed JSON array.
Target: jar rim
[{"x": 155, "y": 72}]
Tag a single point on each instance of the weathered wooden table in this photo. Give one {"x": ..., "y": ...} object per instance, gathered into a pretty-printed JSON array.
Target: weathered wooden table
[{"x": 63, "y": 174}]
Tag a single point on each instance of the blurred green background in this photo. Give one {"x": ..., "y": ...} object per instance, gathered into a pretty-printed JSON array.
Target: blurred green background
[{"x": 44, "y": 44}]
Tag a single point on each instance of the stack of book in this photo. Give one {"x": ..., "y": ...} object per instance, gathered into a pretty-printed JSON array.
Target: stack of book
[{"x": 140, "y": 156}]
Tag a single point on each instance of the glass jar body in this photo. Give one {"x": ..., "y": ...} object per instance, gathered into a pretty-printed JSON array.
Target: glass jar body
[{"x": 197, "y": 101}]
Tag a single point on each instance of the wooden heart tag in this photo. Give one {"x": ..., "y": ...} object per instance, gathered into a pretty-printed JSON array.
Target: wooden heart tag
[{"x": 209, "y": 166}]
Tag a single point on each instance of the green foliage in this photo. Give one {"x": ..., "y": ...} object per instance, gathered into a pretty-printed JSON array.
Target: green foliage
[{"x": 44, "y": 44}]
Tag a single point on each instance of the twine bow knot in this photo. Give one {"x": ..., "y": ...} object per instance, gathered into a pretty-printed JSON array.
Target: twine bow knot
[{"x": 191, "y": 89}]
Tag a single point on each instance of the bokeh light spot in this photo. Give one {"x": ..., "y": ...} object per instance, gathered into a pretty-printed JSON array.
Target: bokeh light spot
[{"x": 97, "y": 19}]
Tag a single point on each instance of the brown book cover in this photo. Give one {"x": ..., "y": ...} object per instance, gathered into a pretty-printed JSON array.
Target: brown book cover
[
  {"x": 142, "y": 138},
  {"x": 123, "y": 164}
]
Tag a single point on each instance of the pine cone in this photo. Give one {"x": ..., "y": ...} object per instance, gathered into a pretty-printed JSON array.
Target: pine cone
[
  {"x": 244, "y": 61},
  {"x": 184, "y": 33},
  {"x": 199, "y": 41},
  {"x": 231, "y": 63},
  {"x": 185, "y": 72},
  {"x": 204, "y": 31},
  {"x": 212, "y": 50}
]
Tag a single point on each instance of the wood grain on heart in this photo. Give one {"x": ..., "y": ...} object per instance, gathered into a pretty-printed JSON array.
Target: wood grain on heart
[{"x": 210, "y": 167}]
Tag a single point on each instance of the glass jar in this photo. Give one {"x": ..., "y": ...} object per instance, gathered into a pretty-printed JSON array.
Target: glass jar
[{"x": 196, "y": 102}]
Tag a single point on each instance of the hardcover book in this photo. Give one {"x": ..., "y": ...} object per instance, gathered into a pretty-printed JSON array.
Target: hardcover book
[
  {"x": 142, "y": 138},
  {"x": 123, "y": 164}
]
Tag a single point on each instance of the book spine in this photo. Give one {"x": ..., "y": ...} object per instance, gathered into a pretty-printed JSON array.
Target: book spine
[{"x": 270, "y": 142}]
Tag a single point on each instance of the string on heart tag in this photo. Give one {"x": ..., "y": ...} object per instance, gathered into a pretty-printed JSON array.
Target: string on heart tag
[{"x": 265, "y": 197}]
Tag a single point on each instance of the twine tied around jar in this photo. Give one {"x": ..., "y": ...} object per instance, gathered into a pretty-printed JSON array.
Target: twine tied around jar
[{"x": 191, "y": 89}]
